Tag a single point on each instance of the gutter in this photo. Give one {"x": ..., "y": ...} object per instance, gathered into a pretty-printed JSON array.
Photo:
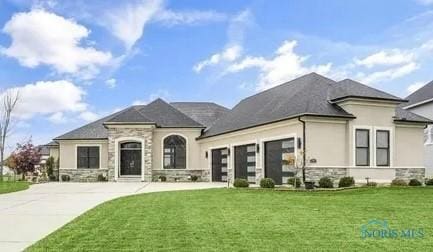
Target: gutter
[{"x": 304, "y": 158}]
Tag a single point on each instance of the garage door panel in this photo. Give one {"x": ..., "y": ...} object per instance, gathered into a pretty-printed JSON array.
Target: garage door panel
[
  {"x": 245, "y": 162},
  {"x": 275, "y": 152},
  {"x": 219, "y": 165}
]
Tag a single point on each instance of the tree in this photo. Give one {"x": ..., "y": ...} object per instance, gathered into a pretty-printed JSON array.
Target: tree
[
  {"x": 49, "y": 165},
  {"x": 9, "y": 100},
  {"x": 26, "y": 157},
  {"x": 296, "y": 163}
]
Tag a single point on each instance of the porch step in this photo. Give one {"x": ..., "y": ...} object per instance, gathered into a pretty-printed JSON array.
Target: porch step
[{"x": 129, "y": 179}]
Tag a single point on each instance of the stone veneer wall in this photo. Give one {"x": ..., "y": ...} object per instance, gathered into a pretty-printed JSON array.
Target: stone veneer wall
[
  {"x": 314, "y": 174},
  {"x": 410, "y": 173},
  {"x": 181, "y": 175},
  {"x": 83, "y": 175},
  {"x": 144, "y": 133}
]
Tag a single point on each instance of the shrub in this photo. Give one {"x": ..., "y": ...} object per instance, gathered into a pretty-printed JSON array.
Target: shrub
[
  {"x": 65, "y": 178},
  {"x": 241, "y": 183},
  {"x": 101, "y": 178},
  {"x": 194, "y": 178},
  {"x": 52, "y": 178},
  {"x": 326, "y": 182},
  {"x": 346, "y": 182},
  {"x": 398, "y": 182},
  {"x": 415, "y": 182},
  {"x": 371, "y": 184},
  {"x": 429, "y": 182},
  {"x": 291, "y": 181},
  {"x": 267, "y": 183},
  {"x": 163, "y": 178}
]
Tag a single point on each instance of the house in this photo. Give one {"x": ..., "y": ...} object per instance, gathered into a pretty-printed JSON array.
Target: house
[
  {"x": 337, "y": 129},
  {"x": 421, "y": 103}
]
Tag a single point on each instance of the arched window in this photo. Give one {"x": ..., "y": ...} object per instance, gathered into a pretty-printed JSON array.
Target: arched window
[{"x": 174, "y": 152}]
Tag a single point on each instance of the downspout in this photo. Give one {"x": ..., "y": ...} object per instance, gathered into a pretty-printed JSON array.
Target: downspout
[{"x": 304, "y": 157}]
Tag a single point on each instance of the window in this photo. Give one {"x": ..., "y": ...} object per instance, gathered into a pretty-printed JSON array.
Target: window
[
  {"x": 382, "y": 148},
  {"x": 362, "y": 142},
  {"x": 428, "y": 136},
  {"x": 87, "y": 157},
  {"x": 174, "y": 152}
]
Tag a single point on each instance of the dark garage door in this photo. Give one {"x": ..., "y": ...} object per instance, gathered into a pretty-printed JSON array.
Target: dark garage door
[
  {"x": 219, "y": 165},
  {"x": 245, "y": 162},
  {"x": 274, "y": 151}
]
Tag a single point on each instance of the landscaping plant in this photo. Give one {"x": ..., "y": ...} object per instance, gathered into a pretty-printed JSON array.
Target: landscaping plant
[
  {"x": 415, "y": 182},
  {"x": 326, "y": 182},
  {"x": 267, "y": 183},
  {"x": 429, "y": 182},
  {"x": 398, "y": 182},
  {"x": 291, "y": 181},
  {"x": 241, "y": 183},
  {"x": 346, "y": 182}
]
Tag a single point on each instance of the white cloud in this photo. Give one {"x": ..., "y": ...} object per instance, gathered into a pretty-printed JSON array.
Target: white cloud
[
  {"x": 89, "y": 116},
  {"x": 57, "y": 118},
  {"x": 111, "y": 83},
  {"x": 127, "y": 22},
  {"x": 170, "y": 17},
  {"x": 425, "y": 2},
  {"x": 227, "y": 55},
  {"x": 389, "y": 74},
  {"x": 49, "y": 98},
  {"x": 284, "y": 66},
  {"x": 43, "y": 38},
  {"x": 415, "y": 86},
  {"x": 386, "y": 58}
]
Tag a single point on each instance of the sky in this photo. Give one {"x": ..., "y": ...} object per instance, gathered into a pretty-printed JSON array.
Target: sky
[{"x": 73, "y": 62}]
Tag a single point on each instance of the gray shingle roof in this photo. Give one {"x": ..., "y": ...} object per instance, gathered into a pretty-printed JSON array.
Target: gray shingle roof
[
  {"x": 405, "y": 115},
  {"x": 353, "y": 89},
  {"x": 423, "y": 94},
  {"x": 206, "y": 113},
  {"x": 158, "y": 112},
  {"x": 304, "y": 95}
]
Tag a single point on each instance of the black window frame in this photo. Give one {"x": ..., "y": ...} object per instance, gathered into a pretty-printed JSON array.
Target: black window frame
[
  {"x": 88, "y": 157},
  {"x": 173, "y": 153},
  {"x": 368, "y": 147},
  {"x": 388, "y": 163}
]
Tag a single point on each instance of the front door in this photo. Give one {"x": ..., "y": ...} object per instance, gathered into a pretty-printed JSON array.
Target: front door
[
  {"x": 130, "y": 159},
  {"x": 219, "y": 165},
  {"x": 274, "y": 154},
  {"x": 245, "y": 162}
]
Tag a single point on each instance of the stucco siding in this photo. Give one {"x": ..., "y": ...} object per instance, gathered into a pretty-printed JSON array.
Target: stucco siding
[
  {"x": 409, "y": 147},
  {"x": 68, "y": 156}
]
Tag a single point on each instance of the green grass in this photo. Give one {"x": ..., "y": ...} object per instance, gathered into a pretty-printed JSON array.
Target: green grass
[
  {"x": 13, "y": 186},
  {"x": 249, "y": 220}
]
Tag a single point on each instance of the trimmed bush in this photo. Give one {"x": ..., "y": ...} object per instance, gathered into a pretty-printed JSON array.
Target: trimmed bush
[
  {"x": 52, "y": 178},
  {"x": 371, "y": 184},
  {"x": 398, "y": 182},
  {"x": 326, "y": 182},
  {"x": 194, "y": 178},
  {"x": 429, "y": 182},
  {"x": 65, "y": 178},
  {"x": 163, "y": 178},
  {"x": 241, "y": 183},
  {"x": 415, "y": 182},
  {"x": 346, "y": 182},
  {"x": 267, "y": 183},
  {"x": 101, "y": 178},
  {"x": 291, "y": 181}
]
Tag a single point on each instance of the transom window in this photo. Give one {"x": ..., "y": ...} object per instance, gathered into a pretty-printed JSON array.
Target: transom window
[
  {"x": 382, "y": 148},
  {"x": 362, "y": 141},
  {"x": 174, "y": 152},
  {"x": 88, "y": 157}
]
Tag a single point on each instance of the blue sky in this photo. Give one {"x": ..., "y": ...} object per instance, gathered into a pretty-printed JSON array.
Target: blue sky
[{"x": 75, "y": 61}]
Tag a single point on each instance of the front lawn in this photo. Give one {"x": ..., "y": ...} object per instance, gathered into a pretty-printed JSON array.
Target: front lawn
[
  {"x": 250, "y": 220},
  {"x": 13, "y": 186}
]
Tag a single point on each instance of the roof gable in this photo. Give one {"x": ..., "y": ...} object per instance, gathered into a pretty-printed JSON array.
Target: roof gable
[
  {"x": 424, "y": 94},
  {"x": 130, "y": 115},
  {"x": 206, "y": 113}
]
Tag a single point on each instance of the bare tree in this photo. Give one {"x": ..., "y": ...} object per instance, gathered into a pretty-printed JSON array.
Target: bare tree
[{"x": 9, "y": 100}]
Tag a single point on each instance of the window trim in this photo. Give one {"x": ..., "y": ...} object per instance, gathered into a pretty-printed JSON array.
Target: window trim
[
  {"x": 88, "y": 145},
  {"x": 368, "y": 146},
  {"x": 382, "y": 148},
  {"x": 186, "y": 151}
]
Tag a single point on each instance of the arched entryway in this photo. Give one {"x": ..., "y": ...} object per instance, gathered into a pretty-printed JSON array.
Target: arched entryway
[{"x": 130, "y": 158}]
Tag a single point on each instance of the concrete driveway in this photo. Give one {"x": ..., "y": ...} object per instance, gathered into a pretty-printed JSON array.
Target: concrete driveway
[{"x": 28, "y": 216}]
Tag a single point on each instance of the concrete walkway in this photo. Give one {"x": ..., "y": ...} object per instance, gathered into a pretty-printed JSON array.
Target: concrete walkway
[{"x": 28, "y": 216}]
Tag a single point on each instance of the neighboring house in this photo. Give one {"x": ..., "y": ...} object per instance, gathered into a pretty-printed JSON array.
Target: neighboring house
[
  {"x": 421, "y": 103},
  {"x": 344, "y": 128}
]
